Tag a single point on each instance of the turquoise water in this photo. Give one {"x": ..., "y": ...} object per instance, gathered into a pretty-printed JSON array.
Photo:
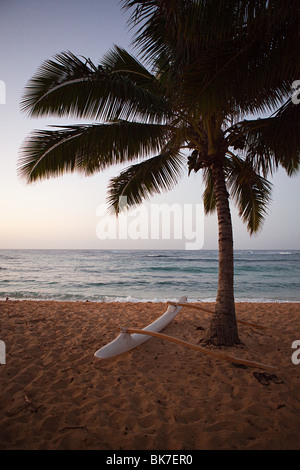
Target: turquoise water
[{"x": 110, "y": 275}]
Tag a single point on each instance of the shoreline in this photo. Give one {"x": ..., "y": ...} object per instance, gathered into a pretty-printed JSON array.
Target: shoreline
[
  {"x": 56, "y": 395},
  {"x": 133, "y": 300}
]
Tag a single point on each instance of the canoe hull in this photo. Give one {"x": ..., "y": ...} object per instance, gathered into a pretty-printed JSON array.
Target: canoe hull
[{"x": 125, "y": 342}]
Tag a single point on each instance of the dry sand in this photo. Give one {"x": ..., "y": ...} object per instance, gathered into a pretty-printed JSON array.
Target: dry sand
[{"x": 56, "y": 395}]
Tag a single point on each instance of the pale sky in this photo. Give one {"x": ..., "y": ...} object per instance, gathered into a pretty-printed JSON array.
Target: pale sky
[{"x": 62, "y": 212}]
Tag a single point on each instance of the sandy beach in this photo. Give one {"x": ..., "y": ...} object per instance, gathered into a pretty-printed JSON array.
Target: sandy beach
[{"x": 56, "y": 395}]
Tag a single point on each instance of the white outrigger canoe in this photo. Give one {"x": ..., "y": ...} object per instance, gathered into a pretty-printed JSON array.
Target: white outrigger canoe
[{"x": 125, "y": 341}]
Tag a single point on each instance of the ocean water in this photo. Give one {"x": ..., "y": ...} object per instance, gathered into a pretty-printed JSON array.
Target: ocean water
[{"x": 111, "y": 275}]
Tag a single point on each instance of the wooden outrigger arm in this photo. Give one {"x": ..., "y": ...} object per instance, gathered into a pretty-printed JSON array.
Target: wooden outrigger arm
[
  {"x": 224, "y": 357},
  {"x": 197, "y": 307}
]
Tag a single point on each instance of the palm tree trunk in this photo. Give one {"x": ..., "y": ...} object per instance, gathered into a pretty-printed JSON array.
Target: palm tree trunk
[{"x": 223, "y": 327}]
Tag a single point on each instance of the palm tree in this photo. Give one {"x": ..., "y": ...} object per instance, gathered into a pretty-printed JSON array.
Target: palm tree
[{"x": 208, "y": 65}]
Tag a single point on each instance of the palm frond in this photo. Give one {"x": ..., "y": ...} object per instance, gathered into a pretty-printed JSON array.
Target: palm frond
[
  {"x": 142, "y": 180},
  {"x": 67, "y": 86},
  {"x": 250, "y": 191},
  {"x": 270, "y": 142},
  {"x": 209, "y": 198},
  {"x": 118, "y": 60},
  {"x": 87, "y": 148},
  {"x": 178, "y": 25},
  {"x": 46, "y": 90},
  {"x": 224, "y": 54}
]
